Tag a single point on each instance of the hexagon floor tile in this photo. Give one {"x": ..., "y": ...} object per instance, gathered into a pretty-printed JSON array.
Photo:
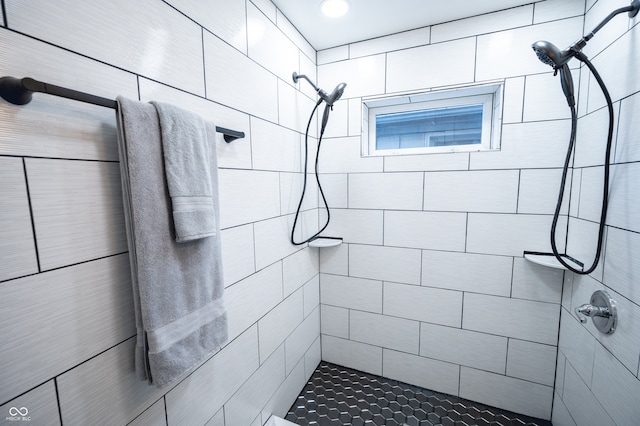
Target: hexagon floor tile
[{"x": 336, "y": 395}]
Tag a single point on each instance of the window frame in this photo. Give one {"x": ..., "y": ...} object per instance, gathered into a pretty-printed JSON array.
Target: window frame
[{"x": 489, "y": 95}]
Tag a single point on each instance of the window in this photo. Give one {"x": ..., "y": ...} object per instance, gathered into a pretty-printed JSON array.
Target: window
[{"x": 461, "y": 119}]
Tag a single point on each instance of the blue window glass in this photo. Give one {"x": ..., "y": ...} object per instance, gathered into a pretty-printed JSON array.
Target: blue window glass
[{"x": 461, "y": 125}]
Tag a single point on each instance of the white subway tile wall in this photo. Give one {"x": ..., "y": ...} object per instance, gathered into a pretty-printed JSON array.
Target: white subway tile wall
[
  {"x": 599, "y": 376},
  {"x": 77, "y": 210},
  {"x": 389, "y": 43},
  {"x": 65, "y": 292},
  {"x": 17, "y": 248},
  {"x": 154, "y": 415},
  {"x": 531, "y": 361},
  {"x": 301, "y": 341},
  {"x": 490, "y": 352},
  {"x": 498, "y": 390},
  {"x": 557, "y": 9},
  {"x": 361, "y": 356},
  {"x": 543, "y": 100},
  {"x": 58, "y": 309},
  {"x": 230, "y": 155},
  {"x": 41, "y": 404},
  {"x": 454, "y": 226},
  {"x": 279, "y": 323},
  {"x": 489, "y": 23},
  {"x": 433, "y": 244},
  {"x": 431, "y": 66},
  {"x": 436, "y": 375}
]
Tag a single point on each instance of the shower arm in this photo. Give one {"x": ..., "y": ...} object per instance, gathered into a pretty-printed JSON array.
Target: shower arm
[
  {"x": 297, "y": 76},
  {"x": 633, "y": 11}
]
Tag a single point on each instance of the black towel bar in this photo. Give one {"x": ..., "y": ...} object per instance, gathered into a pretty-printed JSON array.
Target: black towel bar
[{"x": 19, "y": 92}]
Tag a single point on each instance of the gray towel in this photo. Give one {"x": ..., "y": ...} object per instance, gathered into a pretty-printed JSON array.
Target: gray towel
[
  {"x": 177, "y": 288},
  {"x": 186, "y": 161}
]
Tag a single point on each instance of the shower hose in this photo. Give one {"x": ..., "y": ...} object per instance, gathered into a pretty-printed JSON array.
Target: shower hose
[
  {"x": 605, "y": 191},
  {"x": 304, "y": 182}
]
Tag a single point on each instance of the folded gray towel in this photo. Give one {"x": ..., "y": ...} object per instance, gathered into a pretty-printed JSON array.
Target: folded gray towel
[
  {"x": 177, "y": 288},
  {"x": 186, "y": 161}
]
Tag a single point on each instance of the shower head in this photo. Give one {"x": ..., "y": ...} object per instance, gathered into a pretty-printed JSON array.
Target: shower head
[
  {"x": 549, "y": 54},
  {"x": 556, "y": 58},
  {"x": 329, "y": 99},
  {"x": 334, "y": 96}
]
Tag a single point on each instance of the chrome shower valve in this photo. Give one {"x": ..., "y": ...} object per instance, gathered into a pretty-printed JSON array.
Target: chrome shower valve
[{"x": 602, "y": 311}]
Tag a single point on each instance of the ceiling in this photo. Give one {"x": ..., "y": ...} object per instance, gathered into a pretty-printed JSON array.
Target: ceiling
[{"x": 368, "y": 19}]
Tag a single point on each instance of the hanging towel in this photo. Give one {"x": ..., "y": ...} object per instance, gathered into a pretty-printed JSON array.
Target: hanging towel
[
  {"x": 186, "y": 161},
  {"x": 177, "y": 287}
]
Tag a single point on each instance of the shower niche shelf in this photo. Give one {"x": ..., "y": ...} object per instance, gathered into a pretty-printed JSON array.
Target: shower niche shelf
[
  {"x": 549, "y": 260},
  {"x": 325, "y": 242}
]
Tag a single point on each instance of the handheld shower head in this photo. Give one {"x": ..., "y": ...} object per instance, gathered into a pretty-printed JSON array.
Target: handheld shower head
[
  {"x": 567, "y": 84},
  {"x": 334, "y": 96},
  {"x": 549, "y": 54},
  {"x": 329, "y": 99},
  {"x": 556, "y": 58}
]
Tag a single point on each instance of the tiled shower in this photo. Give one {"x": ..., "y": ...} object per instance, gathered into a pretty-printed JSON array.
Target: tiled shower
[{"x": 429, "y": 287}]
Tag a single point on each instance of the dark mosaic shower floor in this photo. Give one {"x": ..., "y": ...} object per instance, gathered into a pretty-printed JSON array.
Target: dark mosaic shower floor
[{"x": 336, "y": 395}]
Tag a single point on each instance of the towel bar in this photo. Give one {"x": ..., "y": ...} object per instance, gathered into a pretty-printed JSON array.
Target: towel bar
[{"x": 19, "y": 92}]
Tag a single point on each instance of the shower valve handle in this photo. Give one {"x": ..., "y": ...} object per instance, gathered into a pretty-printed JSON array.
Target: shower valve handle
[
  {"x": 602, "y": 310},
  {"x": 587, "y": 310}
]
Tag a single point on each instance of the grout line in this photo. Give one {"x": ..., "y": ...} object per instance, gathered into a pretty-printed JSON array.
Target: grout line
[
  {"x": 506, "y": 356},
  {"x": 524, "y": 90},
  {"x": 424, "y": 189},
  {"x": 62, "y": 267},
  {"x": 533, "y": 14},
  {"x": 462, "y": 310},
  {"x": 466, "y": 232},
  {"x": 421, "y": 266},
  {"x": 31, "y": 215},
  {"x": 166, "y": 413},
  {"x": 386, "y": 73},
  {"x": 204, "y": 62},
  {"x": 513, "y": 267},
  {"x": 616, "y": 141},
  {"x": 419, "y": 336},
  {"x": 518, "y": 191},
  {"x": 246, "y": 27},
  {"x": 4, "y": 14},
  {"x": 475, "y": 59},
  {"x": 58, "y": 158},
  {"x": 555, "y": 372},
  {"x": 251, "y": 118},
  {"x": 55, "y": 384}
]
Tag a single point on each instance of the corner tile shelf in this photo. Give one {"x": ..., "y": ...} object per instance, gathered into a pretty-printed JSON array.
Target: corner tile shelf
[
  {"x": 325, "y": 242},
  {"x": 550, "y": 261}
]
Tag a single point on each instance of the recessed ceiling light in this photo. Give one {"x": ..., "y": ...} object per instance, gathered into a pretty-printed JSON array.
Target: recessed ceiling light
[{"x": 334, "y": 8}]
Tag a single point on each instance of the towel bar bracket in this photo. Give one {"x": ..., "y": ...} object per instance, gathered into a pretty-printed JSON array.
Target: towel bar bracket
[
  {"x": 13, "y": 91},
  {"x": 20, "y": 92}
]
